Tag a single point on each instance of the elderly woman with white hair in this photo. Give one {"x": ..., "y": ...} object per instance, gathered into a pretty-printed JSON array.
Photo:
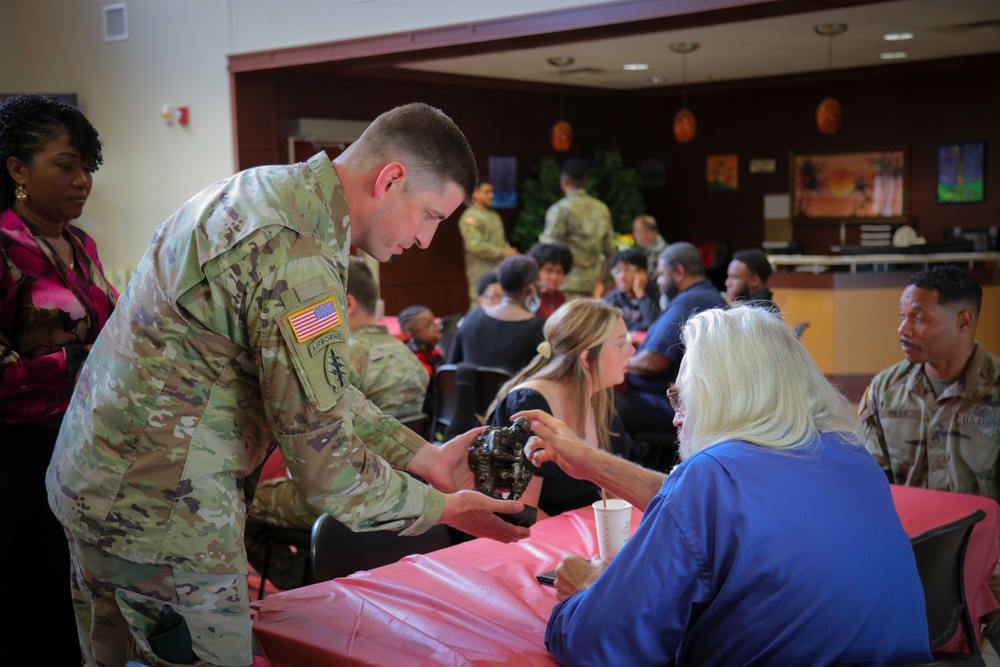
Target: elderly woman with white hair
[{"x": 775, "y": 541}]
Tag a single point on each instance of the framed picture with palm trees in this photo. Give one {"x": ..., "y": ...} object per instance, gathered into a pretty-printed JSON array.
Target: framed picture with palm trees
[{"x": 851, "y": 185}]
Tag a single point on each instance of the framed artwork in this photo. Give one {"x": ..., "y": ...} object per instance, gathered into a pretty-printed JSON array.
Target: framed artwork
[
  {"x": 859, "y": 186},
  {"x": 722, "y": 173},
  {"x": 503, "y": 176},
  {"x": 960, "y": 173}
]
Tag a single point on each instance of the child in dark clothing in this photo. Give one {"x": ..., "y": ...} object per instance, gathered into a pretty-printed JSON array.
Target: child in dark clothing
[
  {"x": 634, "y": 295},
  {"x": 423, "y": 333}
]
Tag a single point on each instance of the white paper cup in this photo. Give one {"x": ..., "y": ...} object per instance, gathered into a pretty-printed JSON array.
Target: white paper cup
[
  {"x": 613, "y": 525},
  {"x": 380, "y": 310}
]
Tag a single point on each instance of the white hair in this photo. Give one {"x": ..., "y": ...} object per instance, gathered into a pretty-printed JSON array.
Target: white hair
[{"x": 745, "y": 376}]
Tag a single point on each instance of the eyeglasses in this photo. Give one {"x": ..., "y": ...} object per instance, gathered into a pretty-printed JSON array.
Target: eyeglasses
[{"x": 674, "y": 396}]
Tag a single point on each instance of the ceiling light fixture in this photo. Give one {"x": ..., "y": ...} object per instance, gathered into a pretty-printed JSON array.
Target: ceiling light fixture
[
  {"x": 685, "y": 124},
  {"x": 897, "y": 36},
  {"x": 892, "y": 55},
  {"x": 828, "y": 113},
  {"x": 562, "y": 133},
  {"x": 635, "y": 67}
]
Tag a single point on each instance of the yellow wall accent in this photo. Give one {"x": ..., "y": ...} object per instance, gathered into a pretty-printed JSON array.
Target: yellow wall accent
[{"x": 852, "y": 331}]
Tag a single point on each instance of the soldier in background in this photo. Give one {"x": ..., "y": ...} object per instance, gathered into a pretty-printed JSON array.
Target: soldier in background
[
  {"x": 483, "y": 237},
  {"x": 388, "y": 374},
  {"x": 648, "y": 239},
  {"x": 933, "y": 420},
  {"x": 584, "y": 224},
  {"x": 230, "y": 340}
]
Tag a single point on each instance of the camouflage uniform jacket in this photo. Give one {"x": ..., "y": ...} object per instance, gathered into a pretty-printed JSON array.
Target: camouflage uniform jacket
[
  {"x": 483, "y": 236},
  {"x": 386, "y": 371},
  {"x": 228, "y": 338},
  {"x": 584, "y": 224},
  {"x": 948, "y": 443}
]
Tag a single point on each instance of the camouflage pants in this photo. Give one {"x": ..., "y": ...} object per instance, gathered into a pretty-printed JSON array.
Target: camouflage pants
[{"x": 120, "y": 606}]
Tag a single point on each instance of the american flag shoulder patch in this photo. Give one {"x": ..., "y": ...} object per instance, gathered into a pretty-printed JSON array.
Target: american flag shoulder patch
[{"x": 314, "y": 320}]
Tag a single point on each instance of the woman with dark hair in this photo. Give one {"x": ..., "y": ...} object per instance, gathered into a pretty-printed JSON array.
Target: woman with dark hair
[
  {"x": 506, "y": 334},
  {"x": 54, "y": 299}
]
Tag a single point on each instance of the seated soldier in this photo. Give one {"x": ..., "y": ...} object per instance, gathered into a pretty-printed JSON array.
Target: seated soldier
[
  {"x": 634, "y": 295},
  {"x": 933, "y": 420},
  {"x": 388, "y": 374}
]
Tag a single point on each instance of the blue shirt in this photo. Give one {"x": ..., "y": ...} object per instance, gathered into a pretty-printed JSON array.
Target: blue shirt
[
  {"x": 751, "y": 556},
  {"x": 664, "y": 337}
]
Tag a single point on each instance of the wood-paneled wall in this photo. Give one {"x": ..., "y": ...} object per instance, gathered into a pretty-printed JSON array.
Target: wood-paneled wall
[{"x": 921, "y": 105}]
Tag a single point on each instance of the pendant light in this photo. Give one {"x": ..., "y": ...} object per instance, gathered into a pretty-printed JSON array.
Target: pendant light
[
  {"x": 685, "y": 124},
  {"x": 828, "y": 112},
  {"x": 562, "y": 133}
]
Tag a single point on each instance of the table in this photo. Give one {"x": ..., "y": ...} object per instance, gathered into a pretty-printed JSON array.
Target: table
[{"x": 478, "y": 603}]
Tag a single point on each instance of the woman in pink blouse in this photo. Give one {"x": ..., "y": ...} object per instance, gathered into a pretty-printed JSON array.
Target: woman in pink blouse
[{"x": 54, "y": 300}]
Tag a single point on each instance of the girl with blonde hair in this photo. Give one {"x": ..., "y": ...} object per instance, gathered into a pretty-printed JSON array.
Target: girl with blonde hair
[{"x": 585, "y": 353}]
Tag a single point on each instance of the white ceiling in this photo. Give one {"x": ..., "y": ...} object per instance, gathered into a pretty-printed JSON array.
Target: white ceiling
[{"x": 753, "y": 49}]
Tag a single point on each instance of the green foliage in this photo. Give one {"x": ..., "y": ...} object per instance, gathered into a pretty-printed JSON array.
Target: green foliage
[{"x": 608, "y": 179}]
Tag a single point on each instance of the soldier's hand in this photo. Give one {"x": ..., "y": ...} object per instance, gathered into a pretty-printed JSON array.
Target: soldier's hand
[
  {"x": 473, "y": 513},
  {"x": 446, "y": 467}
]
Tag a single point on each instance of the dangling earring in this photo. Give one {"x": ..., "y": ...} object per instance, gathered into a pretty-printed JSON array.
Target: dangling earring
[{"x": 20, "y": 193}]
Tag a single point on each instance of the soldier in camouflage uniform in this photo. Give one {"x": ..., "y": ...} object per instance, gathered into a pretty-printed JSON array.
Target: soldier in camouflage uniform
[
  {"x": 584, "y": 224},
  {"x": 388, "y": 374},
  {"x": 648, "y": 239},
  {"x": 483, "y": 237},
  {"x": 933, "y": 420},
  {"x": 231, "y": 339}
]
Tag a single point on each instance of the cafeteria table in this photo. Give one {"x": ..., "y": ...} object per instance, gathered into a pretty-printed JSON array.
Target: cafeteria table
[{"x": 478, "y": 603}]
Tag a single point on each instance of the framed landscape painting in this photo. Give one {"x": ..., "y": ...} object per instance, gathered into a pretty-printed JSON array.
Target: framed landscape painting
[
  {"x": 960, "y": 173},
  {"x": 859, "y": 186}
]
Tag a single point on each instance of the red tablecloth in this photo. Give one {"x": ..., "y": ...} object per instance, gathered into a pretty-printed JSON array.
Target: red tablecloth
[
  {"x": 921, "y": 510},
  {"x": 478, "y": 603}
]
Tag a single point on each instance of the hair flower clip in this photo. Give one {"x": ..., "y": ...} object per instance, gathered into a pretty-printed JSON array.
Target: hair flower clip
[{"x": 545, "y": 349}]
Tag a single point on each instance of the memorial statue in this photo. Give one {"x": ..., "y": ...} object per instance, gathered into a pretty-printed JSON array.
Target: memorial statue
[{"x": 497, "y": 460}]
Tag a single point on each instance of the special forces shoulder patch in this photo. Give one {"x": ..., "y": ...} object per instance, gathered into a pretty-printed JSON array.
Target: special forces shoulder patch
[
  {"x": 314, "y": 320},
  {"x": 337, "y": 368}
]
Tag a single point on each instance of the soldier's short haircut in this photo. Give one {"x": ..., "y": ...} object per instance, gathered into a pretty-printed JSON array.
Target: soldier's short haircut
[
  {"x": 683, "y": 254},
  {"x": 408, "y": 316},
  {"x": 954, "y": 285},
  {"x": 425, "y": 140},
  {"x": 756, "y": 261},
  {"x": 575, "y": 170},
  {"x": 632, "y": 256},
  {"x": 516, "y": 273},
  {"x": 484, "y": 282},
  {"x": 361, "y": 284},
  {"x": 552, "y": 253},
  {"x": 647, "y": 222}
]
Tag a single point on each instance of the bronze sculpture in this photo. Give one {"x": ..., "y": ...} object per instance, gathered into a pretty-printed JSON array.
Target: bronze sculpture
[{"x": 497, "y": 460}]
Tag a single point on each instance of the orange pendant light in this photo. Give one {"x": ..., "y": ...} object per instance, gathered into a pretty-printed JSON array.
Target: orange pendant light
[
  {"x": 828, "y": 114},
  {"x": 685, "y": 125},
  {"x": 562, "y": 132}
]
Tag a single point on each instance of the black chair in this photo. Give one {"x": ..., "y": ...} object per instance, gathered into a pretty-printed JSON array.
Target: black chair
[
  {"x": 300, "y": 539},
  {"x": 940, "y": 555},
  {"x": 338, "y": 551},
  {"x": 462, "y": 396}
]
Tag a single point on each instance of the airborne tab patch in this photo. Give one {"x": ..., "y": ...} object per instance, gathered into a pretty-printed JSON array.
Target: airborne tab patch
[{"x": 314, "y": 320}]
